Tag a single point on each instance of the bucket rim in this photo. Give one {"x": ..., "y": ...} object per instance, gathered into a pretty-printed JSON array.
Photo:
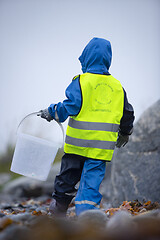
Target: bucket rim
[{"x": 36, "y": 113}]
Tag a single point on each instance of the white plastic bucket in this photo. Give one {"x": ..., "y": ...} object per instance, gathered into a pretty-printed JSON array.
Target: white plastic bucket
[{"x": 33, "y": 156}]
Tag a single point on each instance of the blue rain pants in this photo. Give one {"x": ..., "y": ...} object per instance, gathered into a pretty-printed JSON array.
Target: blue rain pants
[
  {"x": 89, "y": 172},
  {"x": 88, "y": 195}
]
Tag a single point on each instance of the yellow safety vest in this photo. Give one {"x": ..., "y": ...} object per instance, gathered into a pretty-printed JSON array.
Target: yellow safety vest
[{"x": 93, "y": 132}]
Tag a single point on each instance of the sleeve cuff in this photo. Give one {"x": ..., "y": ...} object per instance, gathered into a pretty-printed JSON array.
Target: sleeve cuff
[{"x": 51, "y": 110}]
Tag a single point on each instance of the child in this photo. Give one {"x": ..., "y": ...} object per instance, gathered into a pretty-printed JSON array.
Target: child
[{"x": 100, "y": 119}]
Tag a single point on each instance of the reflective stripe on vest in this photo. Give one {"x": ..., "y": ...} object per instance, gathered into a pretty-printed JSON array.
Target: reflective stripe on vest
[
  {"x": 90, "y": 143},
  {"x": 93, "y": 132},
  {"x": 93, "y": 125}
]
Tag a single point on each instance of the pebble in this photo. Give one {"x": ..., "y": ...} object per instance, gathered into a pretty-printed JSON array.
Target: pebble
[
  {"x": 21, "y": 217},
  {"x": 121, "y": 221},
  {"x": 40, "y": 209},
  {"x": 15, "y": 232},
  {"x": 5, "y": 206},
  {"x": 44, "y": 212},
  {"x": 32, "y": 207},
  {"x": 2, "y": 215},
  {"x": 94, "y": 217}
]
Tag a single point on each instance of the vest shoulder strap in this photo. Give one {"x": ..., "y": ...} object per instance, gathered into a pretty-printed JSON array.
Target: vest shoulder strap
[{"x": 77, "y": 76}]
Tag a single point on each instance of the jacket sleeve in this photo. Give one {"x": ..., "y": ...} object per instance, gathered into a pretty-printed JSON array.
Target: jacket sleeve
[
  {"x": 71, "y": 105},
  {"x": 126, "y": 124}
]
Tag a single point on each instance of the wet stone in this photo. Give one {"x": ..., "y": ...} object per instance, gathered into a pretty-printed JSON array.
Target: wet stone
[
  {"x": 21, "y": 217},
  {"x": 19, "y": 205},
  {"x": 2, "y": 215},
  {"x": 5, "y": 206},
  {"x": 32, "y": 207},
  {"x": 41, "y": 209},
  {"x": 121, "y": 224},
  {"x": 15, "y": 232},
  {"x": 94, "y": 217}
]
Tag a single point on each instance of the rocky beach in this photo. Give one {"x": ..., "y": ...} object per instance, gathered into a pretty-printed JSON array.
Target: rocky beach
[{"x": 130, "y": 207}]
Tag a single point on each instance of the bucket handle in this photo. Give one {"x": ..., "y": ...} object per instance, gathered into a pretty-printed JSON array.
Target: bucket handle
[{"x": 36, "y": 113}]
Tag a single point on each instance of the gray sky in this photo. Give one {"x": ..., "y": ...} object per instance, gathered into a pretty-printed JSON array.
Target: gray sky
[{"x": 41, "y": 40}]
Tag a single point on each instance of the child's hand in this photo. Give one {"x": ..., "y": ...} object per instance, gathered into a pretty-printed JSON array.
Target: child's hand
[
  {"x": 45, "y": 114},
  {"x": 122, "y": 140}
]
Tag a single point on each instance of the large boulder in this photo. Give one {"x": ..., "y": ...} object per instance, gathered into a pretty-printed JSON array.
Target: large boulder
[{"x": 135, "y": 169}]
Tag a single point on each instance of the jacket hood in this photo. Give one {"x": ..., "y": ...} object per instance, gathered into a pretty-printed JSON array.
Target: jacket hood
[{"x": 96, "y": 56}]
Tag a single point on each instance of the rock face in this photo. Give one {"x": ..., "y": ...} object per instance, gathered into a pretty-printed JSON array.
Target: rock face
[{"x": 135, "y": 169}]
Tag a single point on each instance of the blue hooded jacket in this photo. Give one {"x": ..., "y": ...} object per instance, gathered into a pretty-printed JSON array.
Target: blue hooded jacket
[{"x": 95, "y": 58}]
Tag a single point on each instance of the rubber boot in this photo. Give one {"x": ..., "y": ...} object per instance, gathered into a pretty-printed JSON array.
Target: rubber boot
[{"x": 57, "y": 209}]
